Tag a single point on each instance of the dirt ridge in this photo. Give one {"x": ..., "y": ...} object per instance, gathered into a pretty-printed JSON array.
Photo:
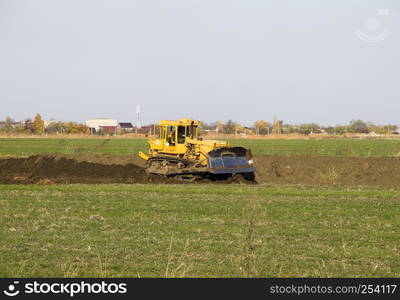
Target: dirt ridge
[{"x": 279, "y": 169}]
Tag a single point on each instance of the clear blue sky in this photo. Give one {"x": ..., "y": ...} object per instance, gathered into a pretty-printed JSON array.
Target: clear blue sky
[{"x": 299, "y": 60}]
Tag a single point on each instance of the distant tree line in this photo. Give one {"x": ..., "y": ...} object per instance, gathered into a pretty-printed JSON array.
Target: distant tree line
[
  {"x": 38, "y": 126},
  {"x": 260, "y": 127}
]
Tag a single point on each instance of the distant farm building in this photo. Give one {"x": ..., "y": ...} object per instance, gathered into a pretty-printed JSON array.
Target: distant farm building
[
  {"x": 125, "y": 126},
  {"x": 396, "y": 131},
  {"x": 96, "y": 126}
]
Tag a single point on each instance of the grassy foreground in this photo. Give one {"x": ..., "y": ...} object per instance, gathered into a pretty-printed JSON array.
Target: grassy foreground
[
  {"x": 340, "y": 147},
  {"x": 198, "y": 231}
]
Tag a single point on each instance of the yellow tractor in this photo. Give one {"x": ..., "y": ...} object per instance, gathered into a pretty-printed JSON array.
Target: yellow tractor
[{"x": 175, "y": 149}]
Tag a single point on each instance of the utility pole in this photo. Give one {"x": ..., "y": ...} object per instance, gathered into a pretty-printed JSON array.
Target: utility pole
[{"x": 137, "y": 118}]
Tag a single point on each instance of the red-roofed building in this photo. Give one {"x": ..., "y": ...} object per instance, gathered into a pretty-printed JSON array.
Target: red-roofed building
[{"x": 108, "y": 129}]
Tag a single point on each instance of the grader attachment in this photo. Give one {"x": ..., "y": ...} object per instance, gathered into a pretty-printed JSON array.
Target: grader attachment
[{"x": 230, "y": 160}]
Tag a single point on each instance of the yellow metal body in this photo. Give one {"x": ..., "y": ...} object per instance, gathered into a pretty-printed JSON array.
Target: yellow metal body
[{"x": 180, "y": 139}]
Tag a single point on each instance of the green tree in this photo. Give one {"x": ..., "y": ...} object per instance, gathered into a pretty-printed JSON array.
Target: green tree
[
  {"x": 218, "y": 126},
  {"x": 229, "y": 127},
  {"x": 55, "y": 127},
  {"x": 309, "y": 128},
  {"x": 262, "y": 127},
  {"x": 277, "y": 126},
  {"x": 390, "y": 128},
  {"x": 73, "y": 128},
  {"x": 329, "y": 130},
  {"x": 339, "y": 129},
  {"x": 8, "y": 125},
  {"x": 28, "y": 126},
  {"x": 38, "y": 124},
  {"x": 290, "y": 129},
  {"x": 359, "y": 126}
]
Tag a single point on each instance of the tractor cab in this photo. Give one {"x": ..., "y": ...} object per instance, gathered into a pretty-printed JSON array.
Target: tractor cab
[{"x": 171, "y": 137}]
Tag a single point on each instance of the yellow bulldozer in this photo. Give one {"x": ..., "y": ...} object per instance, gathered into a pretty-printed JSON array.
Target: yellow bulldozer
[{"x": 176, "y": 150}]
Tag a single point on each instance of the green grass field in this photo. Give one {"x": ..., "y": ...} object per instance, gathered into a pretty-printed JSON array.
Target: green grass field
[
  {"x": 342, "y": 147},
  {"x": 197, "y": 230}
]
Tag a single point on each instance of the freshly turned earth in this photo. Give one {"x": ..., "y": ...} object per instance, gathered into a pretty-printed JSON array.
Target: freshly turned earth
[{"x": 107, "y": 168}]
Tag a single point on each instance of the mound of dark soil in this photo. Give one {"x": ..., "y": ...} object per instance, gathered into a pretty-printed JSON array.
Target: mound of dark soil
[
  {"x": 59, "y": 169},
  {"x": 103, "y": 159},
  {"x": 328, "y": 170},
  {"x": 107, "y": 168},
  {"x": 84, "y": 168}
]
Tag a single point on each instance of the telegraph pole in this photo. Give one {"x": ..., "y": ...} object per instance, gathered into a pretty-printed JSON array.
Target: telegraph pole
[{"x": 137, "y": 118}]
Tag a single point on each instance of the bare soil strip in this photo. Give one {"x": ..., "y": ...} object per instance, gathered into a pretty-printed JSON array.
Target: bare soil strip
[
  {"x": 328, "y": 170},
  {"x": 106, "y": 168}
]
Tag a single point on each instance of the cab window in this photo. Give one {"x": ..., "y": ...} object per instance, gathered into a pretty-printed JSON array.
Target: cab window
[
  {"x": 171, "y": 135},
  {"x": 181, "y": 134}
]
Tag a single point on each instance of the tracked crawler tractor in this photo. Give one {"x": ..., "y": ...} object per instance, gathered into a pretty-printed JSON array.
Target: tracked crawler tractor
[{"x": 175, "y": 149}]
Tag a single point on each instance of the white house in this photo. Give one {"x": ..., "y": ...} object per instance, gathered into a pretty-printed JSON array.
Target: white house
[{"x": 96, "y": 125}]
